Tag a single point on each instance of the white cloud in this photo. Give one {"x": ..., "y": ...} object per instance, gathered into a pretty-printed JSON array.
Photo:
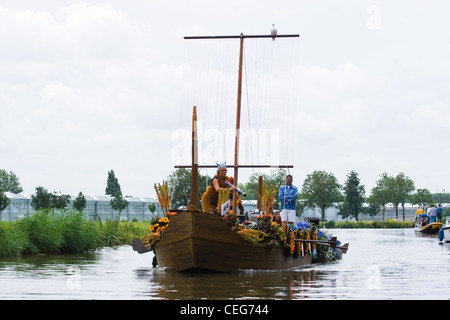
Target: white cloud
[
  {"x": 87, "y": 87},
  {"x": 78, "y": 88}
]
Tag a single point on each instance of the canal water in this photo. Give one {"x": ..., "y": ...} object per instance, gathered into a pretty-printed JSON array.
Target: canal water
[{"x": 380, "y": 264}]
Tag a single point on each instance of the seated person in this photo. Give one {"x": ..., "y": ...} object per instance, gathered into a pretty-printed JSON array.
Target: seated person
[
  {"x": 424, "y": 218},
  {"x": 276, "y": 217},
  {"x": 210, "y": 198}
]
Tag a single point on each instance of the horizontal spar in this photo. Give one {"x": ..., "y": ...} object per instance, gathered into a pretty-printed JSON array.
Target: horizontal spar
[
  {"x": 243, "y": 36},
  {"x": 239, "y": 166}
]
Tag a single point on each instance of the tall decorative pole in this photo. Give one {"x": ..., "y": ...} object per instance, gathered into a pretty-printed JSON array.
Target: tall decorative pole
[
  {"x": 193, "y": 206},
  {"x": 238, "y": 122},
  {"x": 260, "y": 188}
]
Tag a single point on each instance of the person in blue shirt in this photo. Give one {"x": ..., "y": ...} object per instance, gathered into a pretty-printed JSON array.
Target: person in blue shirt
[
  {"x": 287, "y": 195},
  {"x": 439, "y": 213}
]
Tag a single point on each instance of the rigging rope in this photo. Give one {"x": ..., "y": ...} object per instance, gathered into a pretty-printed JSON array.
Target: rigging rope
[
  {"x": 248, "y": 113},
  {"x": 270, "y": 96}
]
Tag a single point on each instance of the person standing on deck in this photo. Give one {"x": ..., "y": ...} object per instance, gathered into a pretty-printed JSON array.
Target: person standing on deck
[
  {"x": 433, "y": 214},
  {"x": 439, "y": 211},
  {"x": 287, "y": 195},
  {"x": 419, "y": 215}
]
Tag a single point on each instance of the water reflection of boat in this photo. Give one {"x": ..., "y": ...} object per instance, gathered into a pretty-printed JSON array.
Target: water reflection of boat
[
  {"x": 431, "y": 228},
  {"x": 252, "y": 284},
  {"x": 444, "y": 233}
]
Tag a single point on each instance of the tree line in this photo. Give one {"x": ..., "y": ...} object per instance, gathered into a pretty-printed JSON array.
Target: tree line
[
  {"x": 48, "y": 202},
  {"x": 322, "y": 190},
  {"x": 319, "y": 189}
]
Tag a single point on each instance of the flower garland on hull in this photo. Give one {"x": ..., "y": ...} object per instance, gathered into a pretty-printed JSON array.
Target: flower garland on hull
[
  {"x": 156, "y": 231},
  {"x": 264, "y": 230}
]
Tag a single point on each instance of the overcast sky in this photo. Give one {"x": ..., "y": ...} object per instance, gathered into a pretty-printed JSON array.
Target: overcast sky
[{"x": 90, "y": 86}]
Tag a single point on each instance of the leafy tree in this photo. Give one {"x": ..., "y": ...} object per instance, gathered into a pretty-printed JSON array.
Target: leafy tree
[
  {"x": 381, "y": 193},
  {"x": 373, "y": 207},
  {"x": 441, "y": 197},
  {"x": 42, "y": 199},
  {"x": 80, "y": 202},
  {"x": 321, "y": 189},
  {"x": 421, "y": 197},
  {"x": 395, "y": 190},
  {"x": 118, "y": 202},
  {"x": 4, "y": 202},
  {"x": 9, "y": 182},
  {"x": 59, "y": 201},
  {"x": 179, "y": 183},
  {"x": 152, "y": 207},
  {"x": 354, "y": 197},
  {"x": 277, "y": 178},
  {"x": 403, "y": 187},
  {"x": 251, "y": 187},
  {"x": 112, "y": 184}
]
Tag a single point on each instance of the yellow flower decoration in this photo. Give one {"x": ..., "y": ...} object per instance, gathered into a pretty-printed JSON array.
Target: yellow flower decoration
[
  {"x": 292, "y": 242},
  {"x": 308, "y": 237}
]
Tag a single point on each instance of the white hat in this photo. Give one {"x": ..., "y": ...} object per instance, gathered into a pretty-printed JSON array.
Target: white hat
[{"x": 221, "y": 165}]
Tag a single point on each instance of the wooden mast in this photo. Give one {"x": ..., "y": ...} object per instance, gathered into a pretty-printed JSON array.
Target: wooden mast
[
  {"x": 238, "y": 112},
  {"x": 238, "y": 123},
  {"x": 193, "y": 206},
  {"x": 260, "y": 185}
]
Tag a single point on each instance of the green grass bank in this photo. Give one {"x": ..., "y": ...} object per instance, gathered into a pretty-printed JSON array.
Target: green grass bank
[
  {"x": 64, "y": 233},
  {"x": 389, "y": 224}
]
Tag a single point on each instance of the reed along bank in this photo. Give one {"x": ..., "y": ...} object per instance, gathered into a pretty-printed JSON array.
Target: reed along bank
[{"x": 47, "y": 232}]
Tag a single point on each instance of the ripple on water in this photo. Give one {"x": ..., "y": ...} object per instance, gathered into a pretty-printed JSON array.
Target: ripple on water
[{"x": 380, "y": 264}]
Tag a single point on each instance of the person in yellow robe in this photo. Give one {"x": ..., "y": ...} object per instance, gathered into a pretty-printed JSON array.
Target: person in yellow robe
[{"x": 210, "y": 198}]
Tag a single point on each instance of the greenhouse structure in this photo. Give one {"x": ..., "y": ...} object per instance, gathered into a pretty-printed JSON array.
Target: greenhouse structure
[{"x": 137, "y": 209}]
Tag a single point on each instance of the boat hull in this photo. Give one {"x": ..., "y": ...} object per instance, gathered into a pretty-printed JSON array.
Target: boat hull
[
  {"x": 432, "y": 228},
  {"x": 445, "y": 234},
  {"x": 195, "y": 240}
]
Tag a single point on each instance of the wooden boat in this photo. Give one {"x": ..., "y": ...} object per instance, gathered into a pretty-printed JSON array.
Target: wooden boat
[
  {"x": 195, "y": 240},
  {"x": 431, "y": 228},
  {"x": 198, "y": 240}
]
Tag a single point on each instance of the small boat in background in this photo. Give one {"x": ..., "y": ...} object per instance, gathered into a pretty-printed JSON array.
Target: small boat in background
[
  {"x": 444, "y": 232},
  {"x": 431, "y": 228}
]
